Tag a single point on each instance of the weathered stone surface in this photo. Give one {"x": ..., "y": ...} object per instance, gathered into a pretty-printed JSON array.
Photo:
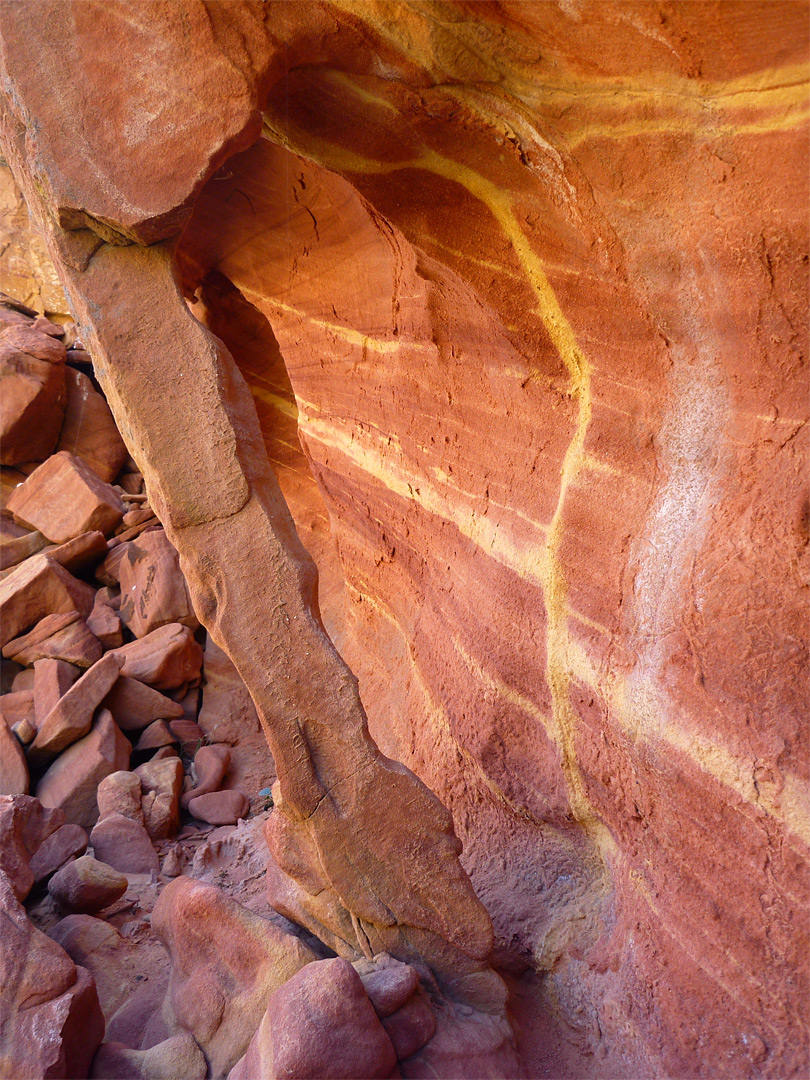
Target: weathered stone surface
[
  {"x": 58, "y": 637},
  {"x": 156, "y": 735},
  {"x": 32, "y": 393},
  {"x": 124, "y": 844},
  {"x": 411, "y": 1027},
  {"x": 37, "y": 588},
  {"x": 161, "y": 785},
  {"x": 71, "y": 782},
  {"x": 52, "y": 680},
  {"x": 64, "y": 498},
  {"x": 16, "y": 542},
  {"x": 210, "y": 766},
  {"x": 179, "y": 1056},
  {"x": 190, "y": 734},
  {"x": 217, "y": 993},
  {"x": 219, "y": 807},
  {"x": 14, "y": 778},
  {"x": 24, "y": 826},
  {"x": 87, "y": 885},
  {"x": 153, "y": 589},
  {"x": 72, "y": 715},
  {"x": 52, "y": 1021},
  {"x": 81, "y": 552},
  {"x": 165, "y": 658},
  {"x": 22, "y": 680},
  {"x": 16, "y": 706},
  {"x": 89, "y": 431},
  {"x": 227, "y": 711},
  {"x": 319, "y": 1023},
  {"x": 65, "y": 843},
  {"x": 120, "y": 793},
  {"x": 136, "y": 705}
]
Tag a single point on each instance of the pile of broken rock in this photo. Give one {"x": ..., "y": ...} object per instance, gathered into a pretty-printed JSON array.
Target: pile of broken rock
[{"x": 101, "y": 664}]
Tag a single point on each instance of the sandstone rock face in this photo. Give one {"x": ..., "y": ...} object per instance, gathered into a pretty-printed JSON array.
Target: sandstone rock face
[
  {"x": 64, "y": 637},
  {"x": 32, "y": 394},
  {"x": 35, "y": 590},
  {"x": 558, "y": 419},
  {"x": 88, "y": 431},
  {"x": 153, "y": 589}
]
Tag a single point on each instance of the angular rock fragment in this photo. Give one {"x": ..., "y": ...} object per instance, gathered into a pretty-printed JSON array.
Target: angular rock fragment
[
  {"x": 107, "y": 571},
  {"x": 105, "y": 624},
  {"x": 227, "y": 712},
  {"x": 16, "y": 542},
  {"x": 52, "y": 1020},
  {"x": 72, "y": 715},
  {"x": 17, "y": 706},
  {"x": 153, "y": 589},
  {"x": 66, "y": 843},
  {"x": 175, "y": 1057},
  {"x": 32, "y": 394},
  {"x": 64, "y": 498},
  {"x": 155, "y": 736},
  {"x": 24, "y": 826},
  {"x": 412, "y": 1026},
  {"x": 57, "y": 637},
  {"x": 87, "y": 885},
  {"x": 79, "y": 553},
  {"x": 166, "y": 658},
  {"x": 89, "y": 430},
  {"x": 52, "y": 680},
  {"x": 23, "y": 680},
  {"x": 219, "y": 807},
  {"x": 131, "y": 482},
  {"x": 190, "y": 735},
  {"x": 124, "y": 844},
  {"x": 71, "y": 782},
  {"x": 210, "y": 766},
  {"x": 36, "y": 588},
  {"x": 14, "y": 778},
  {"x": 388, "y": 982},
  {"x": 219, "y": 994},
  {"x": 120, "y": 793},
  {"x": 319, "y": 1023},
  {"x": 161, "y": 785},
  {"x": 136, "y": 705}
]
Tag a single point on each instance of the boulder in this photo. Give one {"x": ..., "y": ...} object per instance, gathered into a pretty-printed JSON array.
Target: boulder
[
  {"x": 51, "y": 1018},
  {"x": 52, "y": 680},
  {"x": 36, "y": 588},
  {"x": 14, "y": 778},
  {"x": 388, "y": 982},
  {"x": 319, "y": 1024},
  {"x": 161, "y": 784},
  {"x": 32, "y": 396},
  {"x": 58, "y": 637},
  {"x": 87, "y": 885},
  {"x": 219, "y": 993},
  {"x": 156, "y": 735},
  {"x": 153, "y": 589},
  {"x": 190, "y": 734},
  {"x": 165, "y": 658},
  {"x": 64, "y": 498},
  {"x": 175, "y": 1057},
  {"x": 210, "y": 766},
  {"x": 23, "y": 680},
  {"x": 219, "y": 807},
  {"x": 68, "y": 842},
  {"x": 136, "y": 705},
  {"x": 17, "y": 706},
  {"x": 412, "y": 1026},
  {"x": 16, "y": 542},
  {"x": 104, "y": 622},
  {"x": 120, "y": 793},
  {"x": 227, "y": 712},
  {"x": 24, "y": 826},
  {"x": 71, "y": 782},
  {"x": 124, "y": 844},
  {"x": 102, "y": 951},
  {"x": 89, "y": 430},
  {"x": 71, "y": 717},
  {"x": 80, "y": 553}
]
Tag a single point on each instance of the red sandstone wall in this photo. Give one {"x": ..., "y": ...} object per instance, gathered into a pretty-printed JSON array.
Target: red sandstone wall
[{"x": 537, "y": 275}]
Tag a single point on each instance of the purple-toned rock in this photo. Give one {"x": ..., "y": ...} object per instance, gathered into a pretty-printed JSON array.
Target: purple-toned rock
[
  {"x": 319, "y": 1023},
  {"x": 412, "y": 1026},
  {"x": 72, "y": 781},
  {"x": 136, "y": 705},
  {"x": 175, "y": 1057},
  {"x": 124, "y": 844},
  {"x": 102, "y": 951},
  {"x": 210, "y": 766},
  {"x": 388, "y": 982},
  {"x": 156, "y": 735},
  {"x": 87, "y": 885},
  {"x": 14, "y": 778},
  {"x": 220, "y": 807},
  {"x": 66, "y": 843}
]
